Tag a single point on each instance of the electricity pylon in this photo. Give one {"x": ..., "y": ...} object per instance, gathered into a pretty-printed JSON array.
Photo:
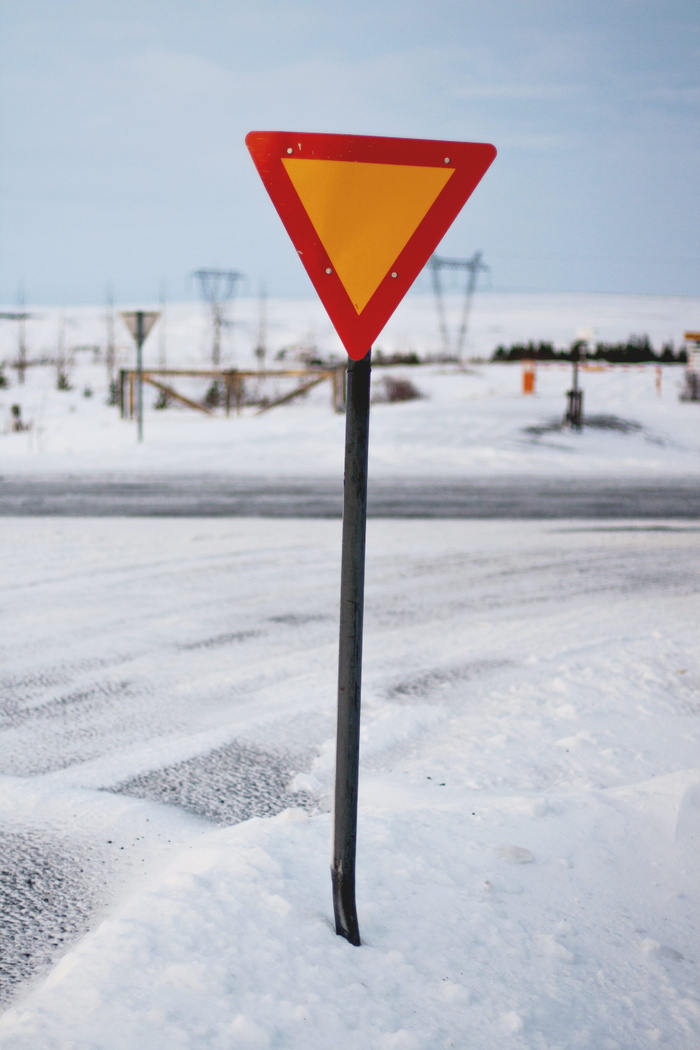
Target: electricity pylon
[
  {"x": 218, "y": 289},
  {"x": 473, "y": 267}
]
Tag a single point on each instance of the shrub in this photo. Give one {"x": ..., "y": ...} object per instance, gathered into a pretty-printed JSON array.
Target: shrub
[
  {"x": 637, "y": 350},
  {"x": 395, "y": 388},
  {"x": 691, "y": 389},
  {"x": 215, "y": 395},
  {"x": 408, "y": 358}
]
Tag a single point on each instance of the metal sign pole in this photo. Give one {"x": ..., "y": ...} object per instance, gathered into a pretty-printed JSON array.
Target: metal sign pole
[
  {"x": 139, "y": 369},
  {"x": 139, "y": 323},
  {"x": 352, "y": 586},
  {"x": 357, "y": 201}
]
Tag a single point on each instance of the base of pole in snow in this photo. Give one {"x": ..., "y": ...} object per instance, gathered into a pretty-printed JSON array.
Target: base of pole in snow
[
  {"x": 574, "y": 397},
  {"x": 574, "y": 409},
  {"x": 352, "y": 586}
]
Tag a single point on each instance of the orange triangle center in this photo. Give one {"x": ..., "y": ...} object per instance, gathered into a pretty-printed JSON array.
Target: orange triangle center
[{"x": 364, "y": 214}]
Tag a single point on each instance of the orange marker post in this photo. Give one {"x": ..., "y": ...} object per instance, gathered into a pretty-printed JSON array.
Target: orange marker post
[{"x": 528, "y": 377}]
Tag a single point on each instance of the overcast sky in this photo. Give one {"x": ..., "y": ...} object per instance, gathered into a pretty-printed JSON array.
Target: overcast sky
[{"x": 122, "y": 158}]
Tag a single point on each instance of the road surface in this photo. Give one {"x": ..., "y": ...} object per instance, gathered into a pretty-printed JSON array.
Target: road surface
[{"x": 223, "y": 496}]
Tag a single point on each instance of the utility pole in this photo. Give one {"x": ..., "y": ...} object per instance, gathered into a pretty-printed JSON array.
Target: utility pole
[
  {"x": 110, "y": 351},
  {"x": 62, "y": 363},
  {"x": 21, "y": 336},
  {"x": 473, "y": 267},
  {"x": 218, "y": 288},
  {"x": 261, "y": 342},
  {"x": 162, "y": 329}
]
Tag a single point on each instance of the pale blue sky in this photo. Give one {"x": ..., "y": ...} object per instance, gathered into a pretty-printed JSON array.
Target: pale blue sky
[{"x": 122, "y": 124}]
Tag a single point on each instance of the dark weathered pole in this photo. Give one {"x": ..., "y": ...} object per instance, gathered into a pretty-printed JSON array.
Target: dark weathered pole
[
  {"x": 352, "y": 586},
  {"x": 139, "y": 369}
]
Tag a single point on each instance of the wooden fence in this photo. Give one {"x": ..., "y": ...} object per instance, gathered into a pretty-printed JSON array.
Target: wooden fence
[{"x": 233, "y": 383}]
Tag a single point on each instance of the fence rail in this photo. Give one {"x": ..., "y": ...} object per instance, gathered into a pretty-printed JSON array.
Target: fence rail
[{"x": 233, "y": 381}]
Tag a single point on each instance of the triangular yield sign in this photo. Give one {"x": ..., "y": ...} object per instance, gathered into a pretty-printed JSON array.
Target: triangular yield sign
[
  {"x": 365, "y": 214},
  {"x": 131, "y": 320}
]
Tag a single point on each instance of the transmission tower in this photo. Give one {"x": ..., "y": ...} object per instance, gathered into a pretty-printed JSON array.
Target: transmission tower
[
  {"x": 473, "y": 267},
  {"x": 163, "y": 327},
  {"x": 218, "y": 289}
]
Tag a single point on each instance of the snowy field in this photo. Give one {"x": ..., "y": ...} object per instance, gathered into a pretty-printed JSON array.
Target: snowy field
[
  {"x": 290, "y": 325},
  {"x": 530, "y": 791},
  {"x": 468, "y": 422},
  {"x": 529, "y": 831}
]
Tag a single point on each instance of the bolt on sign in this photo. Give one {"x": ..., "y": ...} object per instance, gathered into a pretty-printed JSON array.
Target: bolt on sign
[{"x": 365, "y": 214}]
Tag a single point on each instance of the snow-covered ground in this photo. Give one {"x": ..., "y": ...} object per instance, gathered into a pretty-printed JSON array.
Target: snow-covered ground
[
  {"x": 530, "y": 791},
  {"x": 529, "y": 833},
  {"x": 469, "y": 422},
  {"x": 184, "y": 335}
]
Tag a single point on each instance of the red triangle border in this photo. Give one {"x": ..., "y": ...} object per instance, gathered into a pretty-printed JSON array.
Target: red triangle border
[{"x": 470, "y": 161}]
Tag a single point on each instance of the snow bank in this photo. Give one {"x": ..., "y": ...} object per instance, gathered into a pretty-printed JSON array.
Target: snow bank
[
  {"x": 535, "y": 928},
  {"x": 529, "y": 830}
]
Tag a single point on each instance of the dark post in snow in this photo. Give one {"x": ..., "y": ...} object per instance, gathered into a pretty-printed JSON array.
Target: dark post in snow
[
  {"x": 352, "y": 586},
  {"x": 574, "y": 397}
]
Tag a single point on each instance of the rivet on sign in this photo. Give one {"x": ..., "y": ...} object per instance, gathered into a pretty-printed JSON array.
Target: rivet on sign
[
  {"x": 328, "y": 270},
  {"x": 290, "y": 150},
  {"x": 394, "y": 275},
  {"x": 447, "y": 160}
]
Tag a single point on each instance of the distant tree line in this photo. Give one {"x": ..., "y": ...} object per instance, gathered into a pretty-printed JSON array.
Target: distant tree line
[{"x": 637, "y": 350}]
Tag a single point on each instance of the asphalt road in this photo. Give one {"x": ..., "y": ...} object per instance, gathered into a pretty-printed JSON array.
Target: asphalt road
[{"x": 225, "y": 496}]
